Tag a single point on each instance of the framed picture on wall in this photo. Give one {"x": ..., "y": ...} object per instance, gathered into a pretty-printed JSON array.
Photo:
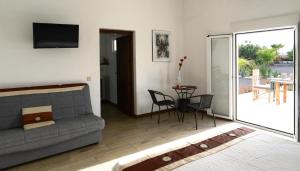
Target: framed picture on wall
[{"x": 161, "y": 46}]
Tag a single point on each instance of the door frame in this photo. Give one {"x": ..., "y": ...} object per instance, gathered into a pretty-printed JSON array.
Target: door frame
[
  {"x": 132, "y": 63},
  {"x": 208, "y": 71},
  {"x": 296, "y": 75}
]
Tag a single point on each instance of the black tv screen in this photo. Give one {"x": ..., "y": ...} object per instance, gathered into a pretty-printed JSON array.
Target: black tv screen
[{"x": 46, "y": 35}]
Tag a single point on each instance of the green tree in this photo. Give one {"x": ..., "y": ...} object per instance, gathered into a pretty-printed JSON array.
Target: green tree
[
  {"x": 276, "y": 47},
  {"x": 290, "y": 55},
  {"x": 248, "y": 51},
  {"x": 253, "y": 56},
  {"x": 265, "y": 71},
  {"x": 245, "y": 66},
  {"x": 265, "y": 57}
]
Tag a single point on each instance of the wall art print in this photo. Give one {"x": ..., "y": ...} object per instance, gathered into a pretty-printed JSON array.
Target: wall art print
[{"x": 161, "y": 48}]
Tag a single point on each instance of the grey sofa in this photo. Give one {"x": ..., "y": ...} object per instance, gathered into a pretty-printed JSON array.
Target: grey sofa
[{"x": 75, "y": 126}]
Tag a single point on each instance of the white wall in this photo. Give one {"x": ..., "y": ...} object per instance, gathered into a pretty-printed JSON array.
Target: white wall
[
  {"x": 22, "y": 65},
  {"x": 204, "y": 17}
]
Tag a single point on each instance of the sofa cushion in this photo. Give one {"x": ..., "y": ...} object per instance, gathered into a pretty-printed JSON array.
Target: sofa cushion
[
  {"x": 11, "y": 137},
  {"x": 41, "y": 133},
  {"x": 81, "y": 125},
  {"x": 65, "y": 103},
  {"x": 10, "y": 112},
  {"x": 93, "y": 122},
  {"x": 63, "y": 130}
]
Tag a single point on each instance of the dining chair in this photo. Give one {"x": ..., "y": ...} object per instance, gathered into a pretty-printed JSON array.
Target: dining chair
[
  {"x": 164, "y": 100},
  {"x": 201, "y": 105}
]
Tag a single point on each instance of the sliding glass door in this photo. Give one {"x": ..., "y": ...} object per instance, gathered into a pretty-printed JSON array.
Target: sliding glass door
[
  {"x": 258, "y": 83},
  {"x": 219, "y": 74}
]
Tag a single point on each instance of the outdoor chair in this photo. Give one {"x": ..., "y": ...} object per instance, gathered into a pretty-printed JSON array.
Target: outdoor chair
[
  {"x": 257, "y": 87},
  {"x": 164, "y": 100},
  {"x": 202, "y": 105}
]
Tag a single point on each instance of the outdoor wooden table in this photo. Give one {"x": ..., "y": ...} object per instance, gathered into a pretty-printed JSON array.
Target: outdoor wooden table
[{"x": 277, "y": 82}]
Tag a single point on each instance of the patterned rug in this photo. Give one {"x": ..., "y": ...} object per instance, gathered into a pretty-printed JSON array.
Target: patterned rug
[{"x": 191, "y": 152}]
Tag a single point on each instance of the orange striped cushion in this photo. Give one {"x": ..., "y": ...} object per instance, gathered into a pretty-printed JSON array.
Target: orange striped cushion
[{"x": 34, "y": 117}]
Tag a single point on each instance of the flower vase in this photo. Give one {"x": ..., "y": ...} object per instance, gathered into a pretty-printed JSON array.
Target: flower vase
[{"x": 179, "y": 78}]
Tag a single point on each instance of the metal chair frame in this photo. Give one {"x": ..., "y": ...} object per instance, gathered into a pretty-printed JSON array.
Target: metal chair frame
[
  {"x": 203, "y": 104},
  {"x": 153, "y": 94}
]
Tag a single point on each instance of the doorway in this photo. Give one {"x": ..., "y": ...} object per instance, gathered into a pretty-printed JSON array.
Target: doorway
[
  {"x": 259, "y": 90},
  {"x": 266, "y": 79},
  {"x": 116, "y": 71}
]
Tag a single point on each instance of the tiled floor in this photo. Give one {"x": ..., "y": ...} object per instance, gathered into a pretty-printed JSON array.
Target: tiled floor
[{"x": 123, "y": 135}]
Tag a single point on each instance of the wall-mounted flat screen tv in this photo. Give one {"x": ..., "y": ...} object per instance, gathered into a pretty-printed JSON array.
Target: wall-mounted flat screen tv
[{"x": 46, "y": 35}]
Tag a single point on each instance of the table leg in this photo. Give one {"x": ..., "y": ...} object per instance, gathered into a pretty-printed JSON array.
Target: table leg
[
  {"x": 284, "y": 92},
  {"x": 277, "y": 93},
  {"x": 273, "y": 91}
]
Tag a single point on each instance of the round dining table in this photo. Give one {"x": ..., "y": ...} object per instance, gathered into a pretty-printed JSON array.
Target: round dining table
[{"x": 184, "y": 92}]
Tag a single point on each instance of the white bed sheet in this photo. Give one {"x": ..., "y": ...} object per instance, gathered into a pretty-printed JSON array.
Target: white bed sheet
[{"x": 259, "y": 153}]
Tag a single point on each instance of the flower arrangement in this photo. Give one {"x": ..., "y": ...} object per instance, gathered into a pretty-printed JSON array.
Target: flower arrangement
[
  {"x": 181, "y": 62},
  {"x": 179, "y": 78}
]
